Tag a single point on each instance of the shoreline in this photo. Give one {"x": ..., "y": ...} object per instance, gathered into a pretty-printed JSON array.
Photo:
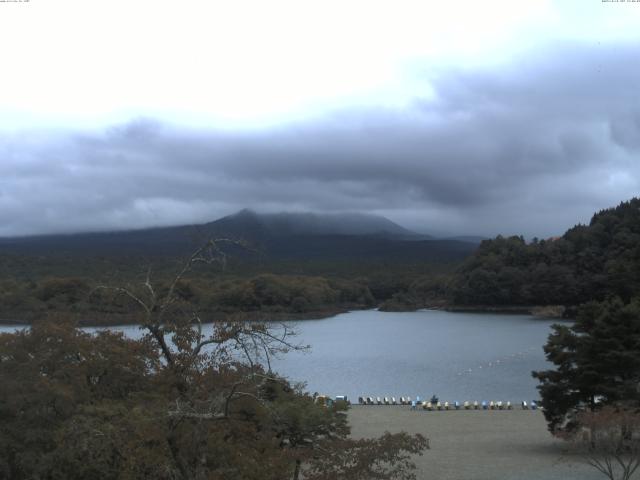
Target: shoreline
[
  {"x": 100, "y": 319},
  {"x": 115, "y": 320},
  {"x": 541, "y": 311}
]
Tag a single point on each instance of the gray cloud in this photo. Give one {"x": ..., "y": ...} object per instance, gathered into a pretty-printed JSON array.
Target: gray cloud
[{"x": 531, "y": 147}]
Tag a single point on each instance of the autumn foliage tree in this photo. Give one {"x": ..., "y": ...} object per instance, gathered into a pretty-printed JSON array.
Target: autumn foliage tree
[{"x": 186, "y": 401}]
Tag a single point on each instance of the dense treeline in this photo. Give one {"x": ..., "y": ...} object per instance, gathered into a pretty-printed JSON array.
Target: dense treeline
[
  {"x": 33, "y": 286},
  {"x": 260, "y": 296},
  {"x": 267, "y": 293},
  {"x": 589, "y": 262}
]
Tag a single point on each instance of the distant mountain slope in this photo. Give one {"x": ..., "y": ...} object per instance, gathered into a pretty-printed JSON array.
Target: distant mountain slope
[
  {"x": 468, "y": 238},
  {"x": 275, "y": 236},
  {"x": 366, "y": 247},
  {"x": 247, "y": 223}
]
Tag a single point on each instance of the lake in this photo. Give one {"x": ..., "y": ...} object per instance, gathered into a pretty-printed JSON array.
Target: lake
[{"x": 457, "y": 356}]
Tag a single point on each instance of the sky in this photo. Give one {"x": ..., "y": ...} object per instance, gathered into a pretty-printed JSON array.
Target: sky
[{"x": 456, "y": 118}]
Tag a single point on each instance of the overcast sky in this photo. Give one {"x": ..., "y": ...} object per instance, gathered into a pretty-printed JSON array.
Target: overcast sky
[{"x": 465, "y": 117}]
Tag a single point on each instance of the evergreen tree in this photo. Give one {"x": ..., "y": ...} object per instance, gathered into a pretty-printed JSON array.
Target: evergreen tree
[{"x": 597, "y": 363}]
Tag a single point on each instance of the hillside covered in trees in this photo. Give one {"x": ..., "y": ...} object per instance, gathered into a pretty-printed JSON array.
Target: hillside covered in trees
[
  {"x": 33, "y": 286},
  {"x": 277, "y": 266},
  {"x": 589, "y": 262}
]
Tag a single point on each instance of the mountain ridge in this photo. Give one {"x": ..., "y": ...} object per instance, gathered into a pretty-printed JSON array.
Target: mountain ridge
[
  {"x": 309, "y": 223},
  {"x": 277, "y": 235}
]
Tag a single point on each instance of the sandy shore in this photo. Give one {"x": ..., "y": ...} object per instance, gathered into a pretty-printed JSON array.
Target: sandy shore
[{"x": 477, "y": 445}]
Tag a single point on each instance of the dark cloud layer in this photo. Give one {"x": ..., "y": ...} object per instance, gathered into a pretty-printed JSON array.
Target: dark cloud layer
[{"x": 531, "y": 147}]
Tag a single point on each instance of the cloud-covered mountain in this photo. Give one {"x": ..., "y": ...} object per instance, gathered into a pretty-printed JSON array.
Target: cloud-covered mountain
[
  {"x": 281, "y": 236},
  {"x": 525, "y": 147},
  {"x": 251, "y": 224}
]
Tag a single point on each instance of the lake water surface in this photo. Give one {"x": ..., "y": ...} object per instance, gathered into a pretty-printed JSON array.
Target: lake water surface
[{"x": 457, "y": 356}]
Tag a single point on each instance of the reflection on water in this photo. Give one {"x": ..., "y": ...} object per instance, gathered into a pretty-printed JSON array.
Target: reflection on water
[{"x": 456, "y": 356}]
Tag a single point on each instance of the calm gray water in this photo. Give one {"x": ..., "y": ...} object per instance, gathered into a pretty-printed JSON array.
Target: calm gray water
[{"x": 457, "y": 356}]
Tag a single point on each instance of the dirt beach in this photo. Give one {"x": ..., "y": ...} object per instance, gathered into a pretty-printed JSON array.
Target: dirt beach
[{"x": 477, "y": 444}]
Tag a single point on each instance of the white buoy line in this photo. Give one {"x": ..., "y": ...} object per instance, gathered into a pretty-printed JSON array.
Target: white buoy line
[{"x": 497, "y": 362}]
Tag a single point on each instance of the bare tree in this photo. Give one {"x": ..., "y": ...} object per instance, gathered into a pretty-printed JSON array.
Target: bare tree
[
  {"x": 175, "y": 326},
  {"x": 610, "y": 441},
  {"x": 220, "y": 384}
]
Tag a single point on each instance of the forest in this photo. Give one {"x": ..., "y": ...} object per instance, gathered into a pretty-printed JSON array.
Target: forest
[
  {"x": 32, "y": 286},
  {"x": 588, "y": 262}
]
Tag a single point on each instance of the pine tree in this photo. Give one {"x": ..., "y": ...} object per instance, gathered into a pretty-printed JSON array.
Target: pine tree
[{"x": 597, "y": 363}]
